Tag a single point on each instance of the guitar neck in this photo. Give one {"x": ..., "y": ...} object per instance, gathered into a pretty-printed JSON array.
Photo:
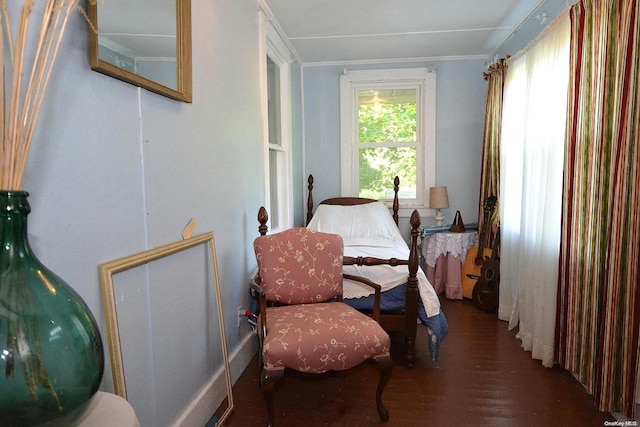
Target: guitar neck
[
  {"x": 482, "y": 242},
  {"x": 489, "y": 205}
]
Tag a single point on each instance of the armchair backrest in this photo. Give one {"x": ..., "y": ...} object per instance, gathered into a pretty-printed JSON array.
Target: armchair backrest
[{"x": 300, "y": 266}]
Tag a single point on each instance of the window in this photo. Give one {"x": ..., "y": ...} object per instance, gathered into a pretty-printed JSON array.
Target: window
[
  {"x": 388, "y": 129},
  {"x": 275, "y": 59}
]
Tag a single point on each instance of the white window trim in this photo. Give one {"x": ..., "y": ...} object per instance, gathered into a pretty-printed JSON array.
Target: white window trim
[
  {"x": 349, "y": 81},
  {"x": 271, "y": 44}
]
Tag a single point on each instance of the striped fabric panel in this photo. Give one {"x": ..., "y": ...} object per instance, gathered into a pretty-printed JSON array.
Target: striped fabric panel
[
  {"x": 490, "y": 173},
  {"x": 599, "y": 306}
]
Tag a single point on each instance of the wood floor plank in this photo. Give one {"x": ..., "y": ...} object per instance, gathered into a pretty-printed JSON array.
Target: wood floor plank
[{"x": 482, "y": 378}]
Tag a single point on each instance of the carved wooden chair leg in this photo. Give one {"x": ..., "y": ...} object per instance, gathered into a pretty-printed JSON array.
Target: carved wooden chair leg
[
  {"x": 386, "y": 367},
  {"x": 269, "y": 382}
]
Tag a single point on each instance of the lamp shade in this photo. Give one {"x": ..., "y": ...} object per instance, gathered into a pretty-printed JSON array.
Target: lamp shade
[{"x": 438, "y": 197}]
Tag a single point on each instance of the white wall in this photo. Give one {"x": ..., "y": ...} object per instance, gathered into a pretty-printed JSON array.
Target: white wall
[
  {"x": 461, "y": 93},
  {"x": 115, "y": 170}
]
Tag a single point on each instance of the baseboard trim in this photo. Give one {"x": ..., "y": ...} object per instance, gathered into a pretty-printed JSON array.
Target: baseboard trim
[{"x": 208, "y": 400}]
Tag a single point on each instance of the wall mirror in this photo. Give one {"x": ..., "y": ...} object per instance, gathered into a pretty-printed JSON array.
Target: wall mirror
[{"x": 143, "y": 42}]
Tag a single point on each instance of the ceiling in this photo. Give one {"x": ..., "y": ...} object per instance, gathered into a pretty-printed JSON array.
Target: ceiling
[
  {"x": 352, "y": 31},
  {"x": 140, "y": 28}
]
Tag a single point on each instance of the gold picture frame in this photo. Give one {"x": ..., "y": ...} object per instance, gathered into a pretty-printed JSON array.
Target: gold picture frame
[
  {"x": 109, "y": 269},
  {"x": 182, "y": 88}
]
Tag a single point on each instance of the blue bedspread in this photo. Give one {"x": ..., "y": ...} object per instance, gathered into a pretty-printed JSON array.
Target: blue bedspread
[{"x": 393, "y": 299}]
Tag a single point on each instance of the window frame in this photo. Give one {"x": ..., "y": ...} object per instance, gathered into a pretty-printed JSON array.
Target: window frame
[
  {"x": 424, "y": 79},
  {"x": 272, "y": 46}
]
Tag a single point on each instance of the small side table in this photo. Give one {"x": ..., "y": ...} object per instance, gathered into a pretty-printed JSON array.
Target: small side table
[
  {"x": 103, "y": 410},
  {"x": 444, "y": 253}
]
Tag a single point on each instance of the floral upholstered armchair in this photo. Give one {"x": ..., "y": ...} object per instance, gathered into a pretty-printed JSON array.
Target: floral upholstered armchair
[{"x": 304, "y": 325}]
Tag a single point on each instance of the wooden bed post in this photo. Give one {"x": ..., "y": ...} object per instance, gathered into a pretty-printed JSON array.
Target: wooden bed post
[
  {"x": 263, "y": 217},
  {"x": 396, "y": 203},
  {"x": 411, "y": 319},
  {"x": 310, "y": 199}
]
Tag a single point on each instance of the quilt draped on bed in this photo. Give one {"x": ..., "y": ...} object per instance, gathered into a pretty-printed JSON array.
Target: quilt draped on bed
[{"x": 368, "y": 230}]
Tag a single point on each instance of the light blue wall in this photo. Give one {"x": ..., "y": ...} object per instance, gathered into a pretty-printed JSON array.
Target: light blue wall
[
  {"x": 115, "y": 170},
  {"x": 460, "y": 107},
  {"x": 461, "y": 94},
  {"x": 530, "y": 29}
]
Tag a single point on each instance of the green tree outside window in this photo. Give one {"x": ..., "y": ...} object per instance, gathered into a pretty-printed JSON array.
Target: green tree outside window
[{"x": 383, "y": 128}]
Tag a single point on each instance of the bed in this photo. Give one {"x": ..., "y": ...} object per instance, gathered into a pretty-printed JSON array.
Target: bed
[
  {"x": 375, "y": 249},
  {"x": 371, "y": 237}
]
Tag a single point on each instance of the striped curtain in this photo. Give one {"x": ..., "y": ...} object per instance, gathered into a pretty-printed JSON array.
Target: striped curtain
[
  {"x": 490, "y": 173},
  {"x": 598, "y": 301}
]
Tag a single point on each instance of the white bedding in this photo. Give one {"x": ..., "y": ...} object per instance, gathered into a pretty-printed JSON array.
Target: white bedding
[{"x": 369, "y": 230}]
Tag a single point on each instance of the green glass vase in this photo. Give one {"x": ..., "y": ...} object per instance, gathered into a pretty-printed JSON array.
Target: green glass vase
[{"x": 51, "y": 353}]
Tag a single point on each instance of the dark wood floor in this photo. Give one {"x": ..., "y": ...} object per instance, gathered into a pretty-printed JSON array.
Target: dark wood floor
[{"x": 482, "y": 378}]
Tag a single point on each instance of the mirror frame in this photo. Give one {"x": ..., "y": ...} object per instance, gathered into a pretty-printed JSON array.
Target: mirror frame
[
  {"x": 183, "y": 91},
  {"x": 106, "y": 272}
]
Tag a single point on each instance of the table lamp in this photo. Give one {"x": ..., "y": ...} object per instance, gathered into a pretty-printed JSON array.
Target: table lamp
[{"x": 438, "y": 199}]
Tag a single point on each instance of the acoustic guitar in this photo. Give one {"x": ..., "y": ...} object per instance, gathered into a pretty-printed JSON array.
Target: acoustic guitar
[
  {"x": 486, "y": 292},
  {"x": 476, "y": 255}
]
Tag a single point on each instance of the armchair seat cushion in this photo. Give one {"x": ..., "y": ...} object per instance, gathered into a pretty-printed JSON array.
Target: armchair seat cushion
[{"x": 321, "y": 337}]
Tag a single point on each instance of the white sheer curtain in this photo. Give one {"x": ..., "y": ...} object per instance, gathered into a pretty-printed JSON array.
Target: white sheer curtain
[{"x": 531, "y": 159}]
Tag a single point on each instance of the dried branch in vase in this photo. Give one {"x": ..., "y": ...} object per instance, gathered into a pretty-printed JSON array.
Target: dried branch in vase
[{"x": 26, "y": 78}]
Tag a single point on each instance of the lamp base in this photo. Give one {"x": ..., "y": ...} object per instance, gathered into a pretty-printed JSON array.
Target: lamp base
[{"x": 438, "y": 217}]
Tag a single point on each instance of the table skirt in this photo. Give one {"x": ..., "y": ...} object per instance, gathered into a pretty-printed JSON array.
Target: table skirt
[{"x": 445, "y": 276}]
